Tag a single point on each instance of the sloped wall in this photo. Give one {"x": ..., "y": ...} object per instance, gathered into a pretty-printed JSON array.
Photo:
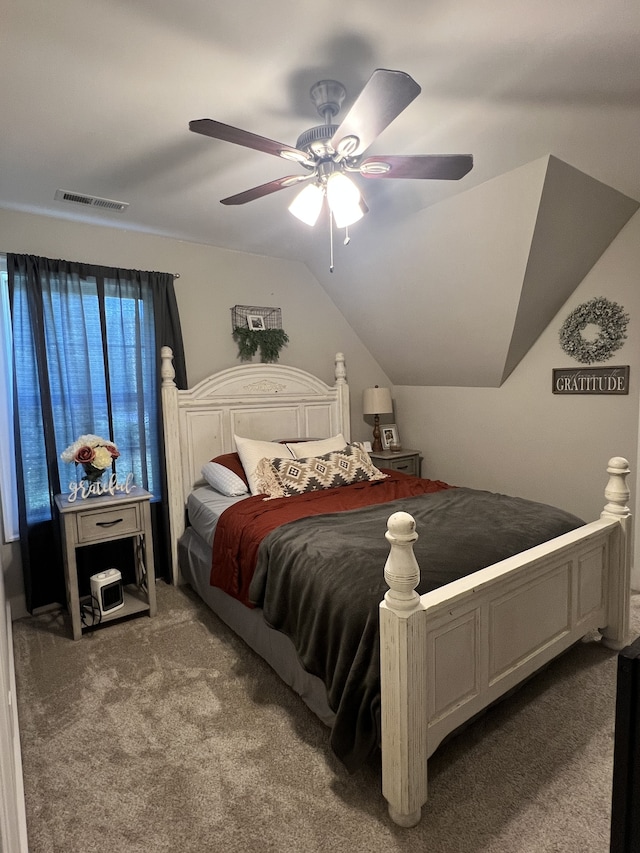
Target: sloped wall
[
  {"x": 521, "y": 438},
  {"x": 456, "y": 294},
  {"x": 577, "y": 219}
]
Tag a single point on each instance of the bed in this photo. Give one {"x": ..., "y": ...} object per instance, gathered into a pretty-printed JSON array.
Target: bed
[{"x": 408, "y": 656}]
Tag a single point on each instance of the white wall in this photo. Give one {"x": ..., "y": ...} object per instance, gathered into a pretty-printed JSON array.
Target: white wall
[
  {"x": 519, "y": 438},
  {"x": 457, "y": 264},
  {"x": 211, "y": 282},
  {"x": 522, "y": 439},
  {"x": 501, "y": 256},
  {"x": 13, "y": 823}
]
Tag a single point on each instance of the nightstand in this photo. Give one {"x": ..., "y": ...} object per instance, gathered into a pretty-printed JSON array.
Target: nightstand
[
  {"x": 106, "y": 518},
  {"x": 407, "y": 461}
]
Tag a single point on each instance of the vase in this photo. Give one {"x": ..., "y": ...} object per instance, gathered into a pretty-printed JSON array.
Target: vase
[{"x": 92, "y": 474}]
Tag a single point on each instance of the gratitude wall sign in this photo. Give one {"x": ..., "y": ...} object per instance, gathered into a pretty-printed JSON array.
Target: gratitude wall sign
[{"x": 591, "y": 380}]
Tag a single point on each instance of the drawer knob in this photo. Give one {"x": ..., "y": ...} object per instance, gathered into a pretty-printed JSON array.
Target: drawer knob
[{"x": 109, "y": 523}]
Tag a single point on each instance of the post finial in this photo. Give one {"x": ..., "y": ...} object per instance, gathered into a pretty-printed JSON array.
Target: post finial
[
  {"x": 167, "y": 370},
  {"x": 401, "y": 570},
  {"x": 617, "y": 491}
]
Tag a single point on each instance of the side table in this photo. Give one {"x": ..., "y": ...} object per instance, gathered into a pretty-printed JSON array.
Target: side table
[{"x": 106, "y": 518}]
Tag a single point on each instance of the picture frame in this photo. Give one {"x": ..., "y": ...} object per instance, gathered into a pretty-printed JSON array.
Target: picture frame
[
  {"x": 256, "y": 322},
  {"x": 389, "y": 436}
]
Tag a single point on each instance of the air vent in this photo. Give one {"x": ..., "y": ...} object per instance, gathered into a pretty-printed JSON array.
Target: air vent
[{"x": 91, "y": 200}]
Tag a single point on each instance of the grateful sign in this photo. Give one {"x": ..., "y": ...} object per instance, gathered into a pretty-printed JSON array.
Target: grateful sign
[{"x": 113, "y": 486}]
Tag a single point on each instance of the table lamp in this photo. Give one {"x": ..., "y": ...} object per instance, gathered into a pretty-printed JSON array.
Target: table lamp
[{"x": 376, "y": 401}]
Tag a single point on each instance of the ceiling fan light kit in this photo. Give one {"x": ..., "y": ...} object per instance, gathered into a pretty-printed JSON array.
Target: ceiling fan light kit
[
  {"x": 307, "y": 205},
  {"x": 331, "y": 153},
  {"x": 343, "y": 197}
]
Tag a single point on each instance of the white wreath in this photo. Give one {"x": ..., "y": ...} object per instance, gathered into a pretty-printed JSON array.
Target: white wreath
[{"x": 611, "y": 319}]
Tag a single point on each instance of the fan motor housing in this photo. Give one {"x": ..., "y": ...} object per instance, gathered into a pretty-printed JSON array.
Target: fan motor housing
[{"x": 316, "y": 140}]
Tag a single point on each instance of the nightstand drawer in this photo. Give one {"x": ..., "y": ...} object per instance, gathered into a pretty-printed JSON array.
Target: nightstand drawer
[
  {"x": 407, "y": 461},
  {"x": 408, "y": 465},
  {"x": 112, "y": 523}
]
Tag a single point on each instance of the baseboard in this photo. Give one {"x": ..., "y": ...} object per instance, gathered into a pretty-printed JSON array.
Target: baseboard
[{"x": 18, "y": 605}]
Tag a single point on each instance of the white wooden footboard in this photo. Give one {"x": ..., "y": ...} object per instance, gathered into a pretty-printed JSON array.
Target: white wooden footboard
[{"x": 450, "y": 653}]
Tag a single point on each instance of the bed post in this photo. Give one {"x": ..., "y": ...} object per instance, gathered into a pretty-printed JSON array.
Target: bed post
[
  {"x": 403, "y": 678},
  {"x": 343, "y": 390},
  {"x": 172, "y": 456},
  {"x": 616, "y": 633}
]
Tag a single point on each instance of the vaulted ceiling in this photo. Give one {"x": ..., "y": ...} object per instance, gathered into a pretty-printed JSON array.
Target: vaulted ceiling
[
  {"x": 97, "y": 98},
  {"x": 457, "y": 293}
]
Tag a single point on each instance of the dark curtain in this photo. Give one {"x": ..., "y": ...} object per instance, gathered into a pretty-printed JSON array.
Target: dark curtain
[{"x": 86, "y": 344}]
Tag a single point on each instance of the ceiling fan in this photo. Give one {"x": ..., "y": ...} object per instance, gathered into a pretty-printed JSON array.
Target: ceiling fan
[{"x": 330, "y": 152}]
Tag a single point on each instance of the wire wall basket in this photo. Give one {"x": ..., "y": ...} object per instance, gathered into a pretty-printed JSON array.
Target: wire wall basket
[{"x": 255, "y": 317}]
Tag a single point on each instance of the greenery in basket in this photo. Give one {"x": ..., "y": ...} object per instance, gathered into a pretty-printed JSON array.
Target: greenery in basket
[{"x": 268, "y": 341}]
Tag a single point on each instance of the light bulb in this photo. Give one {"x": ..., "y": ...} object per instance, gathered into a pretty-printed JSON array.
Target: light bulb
[{"x": 308, "y": 204}]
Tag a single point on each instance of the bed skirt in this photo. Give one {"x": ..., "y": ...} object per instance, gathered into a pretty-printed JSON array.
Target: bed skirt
[{"x": 194, "y": 559}]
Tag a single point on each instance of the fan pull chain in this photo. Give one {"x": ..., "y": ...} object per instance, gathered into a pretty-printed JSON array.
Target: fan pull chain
[{"x": 347, "y": 240}]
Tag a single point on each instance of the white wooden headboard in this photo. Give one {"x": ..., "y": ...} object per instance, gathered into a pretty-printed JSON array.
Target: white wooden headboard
[{"x": 262, "y": 401}]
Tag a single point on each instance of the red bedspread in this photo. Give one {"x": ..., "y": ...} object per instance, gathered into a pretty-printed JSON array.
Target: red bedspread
[{"x": 243, "y": 526}]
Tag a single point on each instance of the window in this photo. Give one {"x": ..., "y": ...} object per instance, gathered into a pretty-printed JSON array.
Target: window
[
  {"x": 99, "y": 355},
  {"x": 8, "y": 497},
  {"x": 86, "y": 360}
]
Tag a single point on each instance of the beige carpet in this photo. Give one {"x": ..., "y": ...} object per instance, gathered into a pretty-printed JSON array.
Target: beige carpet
[{"x": 168, "y": 734}]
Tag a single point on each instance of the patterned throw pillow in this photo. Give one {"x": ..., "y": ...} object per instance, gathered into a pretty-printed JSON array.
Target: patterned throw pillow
[{"x": 281, "y": 478}]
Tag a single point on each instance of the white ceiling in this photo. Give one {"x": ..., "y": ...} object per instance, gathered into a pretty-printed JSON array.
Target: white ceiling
[{"x": 96, "y": 99}]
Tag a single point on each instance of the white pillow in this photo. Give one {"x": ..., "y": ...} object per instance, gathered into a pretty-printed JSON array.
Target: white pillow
[
  {"x": 252, "y": 451},
  {"x": 302, "y": 449},
  {"x": 223, "y": 480}
]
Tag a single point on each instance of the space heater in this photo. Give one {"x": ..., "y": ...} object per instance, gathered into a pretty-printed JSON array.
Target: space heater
[{"x": 106, "y": 590}]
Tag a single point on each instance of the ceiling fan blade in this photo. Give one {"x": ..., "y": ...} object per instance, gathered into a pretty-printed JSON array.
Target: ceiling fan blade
[
  {"x": 266, "y": 189},
  {"x": 385, "y": 95},
  {"x": 443, "y": 167},
  {"x": 218, "y": 130}
]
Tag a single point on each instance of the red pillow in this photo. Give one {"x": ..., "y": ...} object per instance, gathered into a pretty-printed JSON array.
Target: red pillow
[{"x": 233, "y": 463}]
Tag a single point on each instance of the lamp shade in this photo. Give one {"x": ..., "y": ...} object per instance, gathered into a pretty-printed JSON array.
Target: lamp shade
[
  {"x": 308, "y": 204},
  {"x": 344, "y": 200},
  {"x": 376, "y": 401}
]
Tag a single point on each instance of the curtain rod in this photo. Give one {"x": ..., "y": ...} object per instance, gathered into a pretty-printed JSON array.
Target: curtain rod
[{"x": 175, "y": 274}]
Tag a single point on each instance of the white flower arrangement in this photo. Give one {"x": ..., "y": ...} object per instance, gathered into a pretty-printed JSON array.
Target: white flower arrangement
[{"x": 95, "y": 454}]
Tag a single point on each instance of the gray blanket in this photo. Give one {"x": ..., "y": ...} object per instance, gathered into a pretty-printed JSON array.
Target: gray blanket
[{"x": 320, "y": 581}]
